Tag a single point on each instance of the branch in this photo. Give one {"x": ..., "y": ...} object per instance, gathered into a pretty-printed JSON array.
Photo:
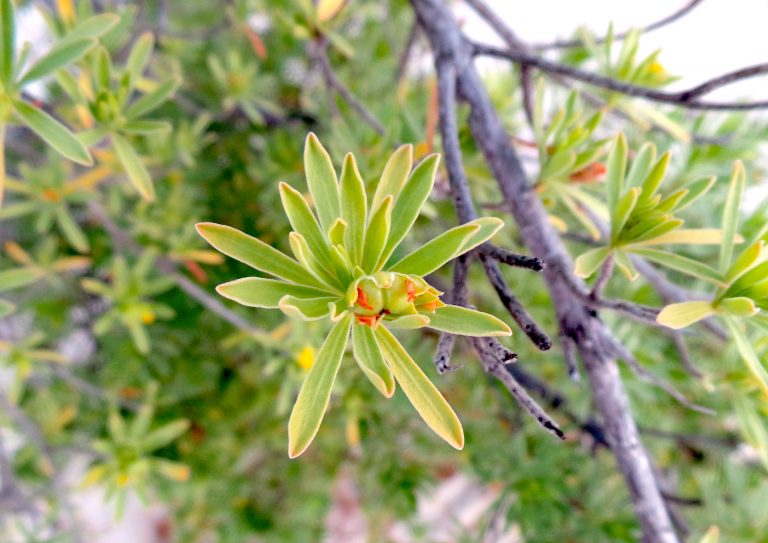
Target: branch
[
  {"x": 512, "y": 259},
  {"x": 683, "y": 98},
  {"x": 679, "y": 14},
  {"x": 453, "y": 57}
]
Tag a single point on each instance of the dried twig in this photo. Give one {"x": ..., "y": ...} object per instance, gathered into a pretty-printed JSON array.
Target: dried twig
[{"x": 685, "y": 98}]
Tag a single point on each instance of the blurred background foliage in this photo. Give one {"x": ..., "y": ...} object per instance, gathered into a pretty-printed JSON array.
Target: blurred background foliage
[{"x": 108, "y": 358}]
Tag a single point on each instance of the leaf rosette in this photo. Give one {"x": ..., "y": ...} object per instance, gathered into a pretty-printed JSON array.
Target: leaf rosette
[{"x": 343, "y": 270}]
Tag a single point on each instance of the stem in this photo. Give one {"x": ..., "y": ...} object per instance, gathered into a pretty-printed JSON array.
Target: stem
[{"x": 2, "y": 162}]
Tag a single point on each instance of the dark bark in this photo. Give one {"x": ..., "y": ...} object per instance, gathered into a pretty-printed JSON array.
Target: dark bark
[{"x": 453, "y": 57}]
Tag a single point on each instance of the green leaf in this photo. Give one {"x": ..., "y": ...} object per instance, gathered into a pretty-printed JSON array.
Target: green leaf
[
  {"x": 139, "y": 56},
  {"x": 448, "y": 245},
  {"x": 588, "y": 263},
  {"x": 489, "y": 226},
  {"x": 308, "y": 260},
  {"x": 423, "y": 395},
  {"x": 748, "y": 258},
  {"x": 53, "y": 133},
  {"x": 321, "y": 180},
  {"x": 682, "y": 264},
  {"x": 336, "y": 232},
  {"x": 467, "y": 322},
  {"x": 18, "y": 277},
  {"x": 146, "y": 127},
  {"x": 151, "y": 101},
  {"x": 368, "y": 356},
  {"x": 71, "y": 230},
  {"x": 354, "y": 208},
  {"x": 376, "y": 235},
  {"x": 558, "y": 165},
  {"x": 408, "y": 322},
  {"x": 394, "y": 176},
  {"x": 684, "y": 314},
  {"x": 739, "y": 306},
  {"x": 164, "y": 435},
  {"x": 748, "y": 354},
  {"x": 616, "y": 166},
  {"x": 259, "y": 292},
  {"x": 731, "y": 215},
  {"x": 134, "y": 168},
  {"x": 312, "y": 402},
  {"x": 696, "y": 190},
  {"x": 689, "y": 236},
  {"x": 307, "y": 309},
  {"x": 8, "y": 44},
  {"x": 57, "y": 58},
  {"x": 255, "y": 253},
  {"x": 641, "y": 165},
  {"x": 625, "y": 265},
  {"x": 655, "y": 177},
  {"x": 622, "y": 211},
  {"x": 92, "y": 27},
  {"x": 408, "y": 204},
  {"x": 304, "y": 222}
]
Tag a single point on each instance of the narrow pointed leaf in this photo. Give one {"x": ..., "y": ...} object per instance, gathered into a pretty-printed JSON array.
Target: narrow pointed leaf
[
  {"x": 368, "y": 356},
  {"x": 71, "y": 230},
  {"x": 260, "y": 292},
  {"x": 423, "y": 395},
  {"x": 134, "y": 167},
  {"x": 436, "y": 252},
  {"x": 255, "y": 253},
  {"x": 684, "y": 314},
  {"x": 394, "y": 176},
  {"x": 731, "y": 215},
  {"x": 696, "y": 190},
  {"x": 336, "y": 232},
  {"x": 376, "y": 235},
  {"x": 625, "y": 265},
  {"x": 682, "y": 264},
  {"x": 655, "y": 177},
  {"x": 489, "y": 226},
  {"x": 641, "y": 165},
  {"x": 304, "y": 222},
  {"x": 321, "y": 179},
  {"x": 409, "y": 202},
  {"x": 8, "y": 43},
  {"x": 18, "y": 277},
  {"x": 689, "y": 236},
  {"x": 56, "y": 58},
  {"x": 354, "y": 208},
  {"x": 745, "y": 261},
  {"x": 307, "y": 309},
  {"x": 315, "y": 393},
  {"x": 748, "y": 354},
  {"x": 623, "y": 210},
  {"x": 309, "y": 261},
  {"x": 467, "y": 322},
  {"x": 408, "y": 322},
  {"x": 588, "y": 263},
  {"x": 53, "y": 132},
  {"x": 92, "y": 27},
  {"x": 152, "y": 100},
  {"x": 739, "y": 306},
  {"x": 616, "y": 167},
  {"x": 139, "y": 56}
]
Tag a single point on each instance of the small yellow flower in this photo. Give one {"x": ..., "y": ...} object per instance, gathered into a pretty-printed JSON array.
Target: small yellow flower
[
  {"x": 148, "y": 316},
  {"x": 306, "y": 358}
]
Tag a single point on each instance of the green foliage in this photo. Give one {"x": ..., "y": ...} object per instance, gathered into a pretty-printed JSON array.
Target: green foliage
[
  {"x": 328, "y": 279},
  {"x": 182, "y": 397}
]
